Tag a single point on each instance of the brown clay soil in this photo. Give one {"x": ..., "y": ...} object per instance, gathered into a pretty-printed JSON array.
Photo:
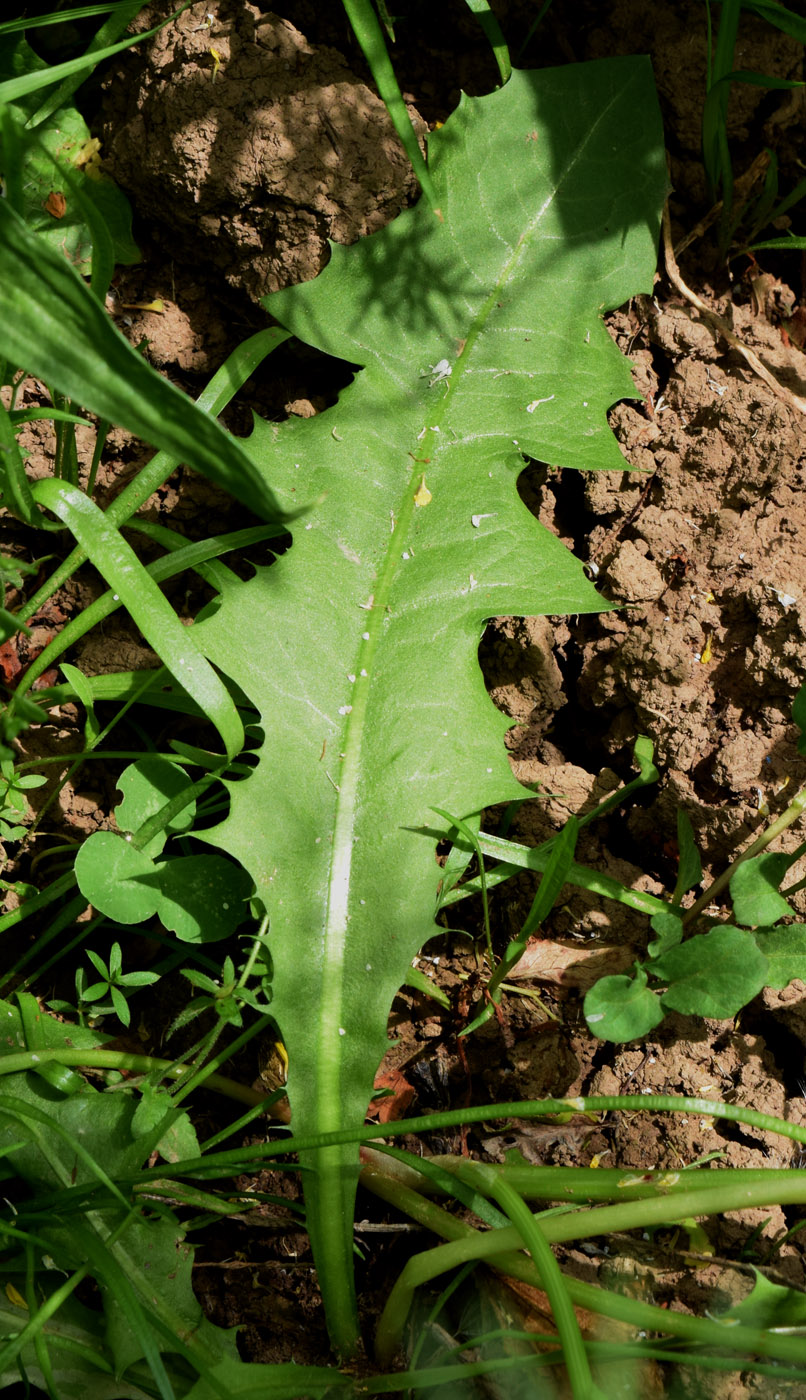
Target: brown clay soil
[{"x": 237, "y": 184}]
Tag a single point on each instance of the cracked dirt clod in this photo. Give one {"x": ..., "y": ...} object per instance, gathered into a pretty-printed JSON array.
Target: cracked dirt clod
[{"x": 253, "y": 165}]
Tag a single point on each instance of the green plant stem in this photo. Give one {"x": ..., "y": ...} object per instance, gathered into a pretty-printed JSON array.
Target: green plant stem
[
  {"x": 492, "y": 29},
  {"x": 120, "y": 1060},
  {"x": 467, "y": 1243},
  {"x": 257, "y": 944},
  {"x": 792, "y": 814},
  {"x": 222, "y": 1162},
  {"x": 46, "y": 1310},
  {"x": 38, "y": 901},
  {"x": 576, "y": 1186},
  {"x": 562, "y": 1308}
]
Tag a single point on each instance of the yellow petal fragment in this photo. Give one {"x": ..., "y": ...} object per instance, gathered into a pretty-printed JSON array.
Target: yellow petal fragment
[{"x": 422, "y": 496}]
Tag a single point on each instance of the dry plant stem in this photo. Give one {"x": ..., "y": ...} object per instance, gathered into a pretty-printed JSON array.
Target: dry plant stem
[
  {"x": 720, "y": 324},
  {"x": 741, "y": 190},
  {"x": 792, "y": 814}
]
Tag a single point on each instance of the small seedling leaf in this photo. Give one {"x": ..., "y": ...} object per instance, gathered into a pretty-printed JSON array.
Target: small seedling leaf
[
  {"x": 689, "y": 871},
  {"x": 754, "y": 890},
  {"x": 644, "y": 755},
  {"x": 714, "y": 974},
  {"x": 156, "y": 1105},
  {"x": 669, "y": 930},
  {"x": 622, "y": 1008}
]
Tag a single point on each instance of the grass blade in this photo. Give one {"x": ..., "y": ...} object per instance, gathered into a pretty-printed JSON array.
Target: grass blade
[
  {"x": 44, "y": 304},
  {"x": 155, "y": 617},
  {"x": 369, "y": 34}
]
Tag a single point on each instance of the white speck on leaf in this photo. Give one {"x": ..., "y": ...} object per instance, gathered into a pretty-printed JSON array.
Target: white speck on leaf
[
  {"x": 345, "y": 709},
  {"x": 342, "y": 1031},
  {"x": 442, "y": 370},
  {"x": 351, "y": 679},
  {"x": 365, "y": 636}
]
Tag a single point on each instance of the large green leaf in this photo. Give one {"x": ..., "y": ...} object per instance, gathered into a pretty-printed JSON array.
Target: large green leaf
[{"x": 359, "y": 646}]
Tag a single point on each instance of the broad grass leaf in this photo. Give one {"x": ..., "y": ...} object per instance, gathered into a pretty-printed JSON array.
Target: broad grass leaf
[
  {"x": 481, "y": 342},
  {"x": 714, "y": 974},
  {"x": 146, "y": 605},
  {"x": 241, "y": 1380}
]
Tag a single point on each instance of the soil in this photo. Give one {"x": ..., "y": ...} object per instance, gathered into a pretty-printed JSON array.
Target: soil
[{"x": 237, "y": 185}]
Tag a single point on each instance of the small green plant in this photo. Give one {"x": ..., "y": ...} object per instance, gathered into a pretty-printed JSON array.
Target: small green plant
[
  {"x": 698, "y": 964},
  {"x": 768, "y": 207},
  {"x": 113, "y": 983},
  {"x": 13, "y": 787}
]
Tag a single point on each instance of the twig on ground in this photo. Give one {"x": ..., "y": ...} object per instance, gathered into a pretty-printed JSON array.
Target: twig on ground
[{"x": 721, "y": 325}]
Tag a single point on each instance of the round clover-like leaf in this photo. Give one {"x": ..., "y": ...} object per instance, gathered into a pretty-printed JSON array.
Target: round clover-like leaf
[
  {"x": 117, "y": 879},
  {"x": 147, "y": 786},
  {"x": 203, "y": 898}
]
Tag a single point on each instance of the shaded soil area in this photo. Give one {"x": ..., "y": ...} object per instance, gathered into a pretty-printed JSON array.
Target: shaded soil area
[{"x": 245, "y": 144}]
